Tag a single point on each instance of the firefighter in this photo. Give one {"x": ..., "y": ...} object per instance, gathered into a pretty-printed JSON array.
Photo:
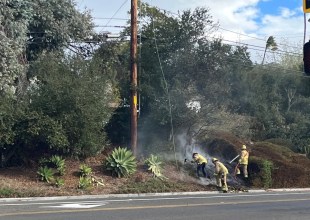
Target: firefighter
[
  {"x": 243, "y": 162},
  {"x": 220, "y": 174},
  {"x": 201, "y": 164}
]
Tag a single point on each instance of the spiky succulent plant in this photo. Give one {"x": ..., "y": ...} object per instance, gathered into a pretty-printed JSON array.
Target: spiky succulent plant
[
  {"x": 154, "y": 165},
  {"x": 121, "y": 162}
]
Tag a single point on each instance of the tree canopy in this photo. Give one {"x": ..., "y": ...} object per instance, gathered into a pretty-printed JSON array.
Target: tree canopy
[{"x": 54, "y": 99}]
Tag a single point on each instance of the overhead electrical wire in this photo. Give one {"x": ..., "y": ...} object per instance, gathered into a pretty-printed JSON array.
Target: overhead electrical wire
[
  {"x": 249, "y": 36},
  {"x": 263, "y": 49},
  {"x": 255, "y": 46},
  {"x": 167, "y": 91},
  {"x": 224, "y": 29},
  {"x": 120, "y": 19},
  {"x": 250, "y": 46},
  {"x": 116, "y": 13}
]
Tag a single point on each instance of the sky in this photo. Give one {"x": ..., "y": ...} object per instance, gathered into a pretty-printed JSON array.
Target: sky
[{"x": 242, "y": 22}]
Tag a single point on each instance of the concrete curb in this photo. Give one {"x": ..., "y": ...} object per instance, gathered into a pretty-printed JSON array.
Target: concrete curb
[{"x": 110, "y": 196}]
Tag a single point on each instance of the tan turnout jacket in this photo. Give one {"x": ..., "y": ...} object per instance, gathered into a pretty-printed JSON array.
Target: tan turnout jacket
[{"x": 220, "y": 168}]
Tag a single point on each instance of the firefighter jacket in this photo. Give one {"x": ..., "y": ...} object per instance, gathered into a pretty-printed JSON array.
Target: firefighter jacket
[
  {"x": 199, "y": 159},
  {"x": 244, "y": 158},
  {"x": 220, "y": 168}
]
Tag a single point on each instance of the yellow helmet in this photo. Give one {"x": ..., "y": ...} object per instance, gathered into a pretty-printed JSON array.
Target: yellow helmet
[
  {"x": 243, "y": 147},
  {"x": 214, "y": 160}
]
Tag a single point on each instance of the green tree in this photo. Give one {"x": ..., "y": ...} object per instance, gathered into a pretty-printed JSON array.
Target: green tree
[
  {"x": 55, "y": 25},
  {"x": 29, "y": 27},
  {"x": 78, "y": 94},
  {"x": 15, "y": 16}
]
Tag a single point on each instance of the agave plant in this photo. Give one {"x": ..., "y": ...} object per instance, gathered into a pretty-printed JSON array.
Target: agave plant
[
  {"x": 59, "y": 163},
  {"x": 85, "y": 170},
  {"x": 121, "y": 162},
  {"x": 85, "y": 182},
  {"x": 59, "y": 182},
  {"x": 154, "y": 165},
  {"x": 45, "y": 174}
]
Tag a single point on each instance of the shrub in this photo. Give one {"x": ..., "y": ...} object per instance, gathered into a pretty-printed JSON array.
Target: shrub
[
  {"x": 85, "y": 170},
  {"x": 154, "y": 165},
  {"x": 261, "y": 172},
  {"x": 85, "y": 182},
  {"x": 59, "y": 182},
  {"x": 121, "y": 162},
  {"x": 46, "y": 174},
  {"x": 59, "y": 164},
  {"x": 267, "y": 167}
]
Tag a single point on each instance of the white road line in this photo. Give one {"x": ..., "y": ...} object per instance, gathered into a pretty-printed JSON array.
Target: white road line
[
  {"x": 27, "y": 203},
  {"x": 76, "y": 205},
  {"x": 56, "y": 203},
  {"x": 208, "y": 197}
]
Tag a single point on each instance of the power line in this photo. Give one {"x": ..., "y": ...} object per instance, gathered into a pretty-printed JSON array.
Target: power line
[
  {"x": 260, "y": 47},
  {"x": 250, "y": 46},
  {"x": 255, "y": 37},
  {"x": 224, "y": 29},
  {"x": 120, "y": 19},
  {"x": 116, "y": 13},
  {"x": 114, "y": 26},
  {"x": 237, "y": 59},
  {"x": 168, "y": 95}
]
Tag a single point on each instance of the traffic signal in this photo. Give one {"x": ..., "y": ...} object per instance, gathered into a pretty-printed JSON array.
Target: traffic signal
[
  {"x": 306, "y": 6},
  {"x": 307, "y": 58}
]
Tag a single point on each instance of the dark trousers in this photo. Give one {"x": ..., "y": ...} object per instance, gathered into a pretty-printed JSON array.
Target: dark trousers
[{"x": 201, "y": 167}]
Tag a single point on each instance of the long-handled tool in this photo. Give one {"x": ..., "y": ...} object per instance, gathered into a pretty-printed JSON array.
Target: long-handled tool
[{"x": 234, "y": 159}]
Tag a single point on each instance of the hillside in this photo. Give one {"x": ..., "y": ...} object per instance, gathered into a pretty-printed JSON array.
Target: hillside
[{"x": 289, "y": 170}]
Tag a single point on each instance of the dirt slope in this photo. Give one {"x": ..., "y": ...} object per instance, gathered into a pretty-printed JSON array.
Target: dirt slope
[{"x": 289, "y": 170}]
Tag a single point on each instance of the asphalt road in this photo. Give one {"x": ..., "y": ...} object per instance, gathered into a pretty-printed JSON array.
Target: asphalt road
[{"x": 242, "y": 206}]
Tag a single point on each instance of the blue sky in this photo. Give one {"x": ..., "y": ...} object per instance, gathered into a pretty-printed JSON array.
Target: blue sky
[
  {"x": 273, "y": 7},
  {"x": 244, "y": 21}
]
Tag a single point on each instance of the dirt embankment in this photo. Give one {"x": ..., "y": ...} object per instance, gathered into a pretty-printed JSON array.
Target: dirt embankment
[{"x": 288, "y": 170}]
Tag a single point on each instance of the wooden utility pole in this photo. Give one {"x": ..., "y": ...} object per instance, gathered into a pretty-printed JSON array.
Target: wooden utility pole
[{"x": 134, "y": 76}]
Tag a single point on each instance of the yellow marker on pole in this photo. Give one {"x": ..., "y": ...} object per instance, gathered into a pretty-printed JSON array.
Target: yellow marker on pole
[
  {"x": 306, "y": 6},
  {"x": 135, "y": 100}
]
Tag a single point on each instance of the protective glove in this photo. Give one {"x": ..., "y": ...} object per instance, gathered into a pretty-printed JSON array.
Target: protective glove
[
  {"x": 239, "y": 160},
  {"x": 215, "y": 174}
]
